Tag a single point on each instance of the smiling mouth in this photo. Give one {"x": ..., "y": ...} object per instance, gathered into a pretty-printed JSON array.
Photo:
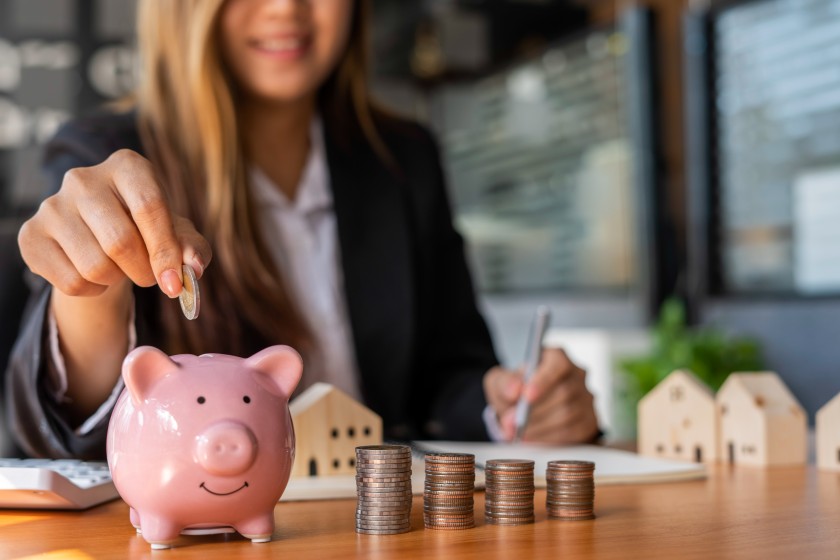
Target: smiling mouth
[
  {"x": 283, "y": 45},
  {"x": 202, "y": 485}
]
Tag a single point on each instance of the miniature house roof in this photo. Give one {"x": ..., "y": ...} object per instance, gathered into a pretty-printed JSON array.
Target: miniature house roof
[
  {"x": 832, "y": 405},
  {"x": 676, "y": 377},
  {"x": 767, "y": 390},
  {"x": 315, "y": 394}
]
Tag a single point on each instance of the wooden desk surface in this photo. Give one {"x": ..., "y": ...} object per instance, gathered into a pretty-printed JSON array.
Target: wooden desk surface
[{"x": 735, "y": 513}]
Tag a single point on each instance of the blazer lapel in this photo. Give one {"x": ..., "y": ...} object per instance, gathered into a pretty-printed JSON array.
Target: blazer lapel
[{"x": 376, "y": 253}]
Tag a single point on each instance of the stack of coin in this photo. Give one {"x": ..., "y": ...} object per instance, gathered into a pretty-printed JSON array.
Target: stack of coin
[
  {"x": 383, "y": 484},
  {"x": 509, "y": 499},
  {"x": 448, "y": 494},
  {"x": 571, "y": 490}
]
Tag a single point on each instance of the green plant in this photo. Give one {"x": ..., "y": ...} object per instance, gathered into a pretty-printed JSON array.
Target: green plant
[{"x": 709, "y": 353}]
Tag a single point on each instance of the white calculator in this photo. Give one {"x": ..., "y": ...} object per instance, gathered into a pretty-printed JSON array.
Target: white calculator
[{"x": 54, "y": 484}]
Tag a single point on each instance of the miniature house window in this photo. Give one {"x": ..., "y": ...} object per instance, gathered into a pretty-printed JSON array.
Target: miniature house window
[
  {"x": 698, "y": 454},
  {"x": 723, "y": 409},
  {"x": 731, "y": 452},
  {"x": 313, "y": 467},
  {"x": 335, "y": 433},
  {"x": 367, "y": 430},
  {"x": 351, "y": 431},
  {"x": 678, "y": 448},
  {"x": 676, "y": 393},
  {"x": 336, "y": 463},
  {"x": 660, "y": 448},
  {"x": 351, "y": 462}
]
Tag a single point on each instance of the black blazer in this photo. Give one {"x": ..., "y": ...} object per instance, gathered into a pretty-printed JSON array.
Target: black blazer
[{"x": 422, "y": 346}]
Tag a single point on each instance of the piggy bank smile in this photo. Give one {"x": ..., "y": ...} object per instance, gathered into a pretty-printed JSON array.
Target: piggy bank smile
[{"x": 203, "y": 486}]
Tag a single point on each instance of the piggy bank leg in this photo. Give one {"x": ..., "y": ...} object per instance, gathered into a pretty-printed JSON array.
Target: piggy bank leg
[
  {"x": 134, "y": 517},
  {"x": 159, "y": 532},
  {"x": 258, "y": 529}
]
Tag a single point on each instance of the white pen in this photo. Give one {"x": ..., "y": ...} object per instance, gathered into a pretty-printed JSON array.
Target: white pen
[{"x": 533, "y": 353}]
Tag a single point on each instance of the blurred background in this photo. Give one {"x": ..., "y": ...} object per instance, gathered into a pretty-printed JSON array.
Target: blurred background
[{"x": 665, "y": 174}]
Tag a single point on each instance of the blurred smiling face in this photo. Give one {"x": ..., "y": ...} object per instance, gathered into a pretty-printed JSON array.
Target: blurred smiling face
[{"x": 283, "y": 50}]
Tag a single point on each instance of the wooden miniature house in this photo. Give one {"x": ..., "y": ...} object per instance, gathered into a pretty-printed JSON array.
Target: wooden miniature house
[
  {"x": 677, "y": 420},
  {"x": 828, "y": 435},
  {"x": 761, "y": 423},
  {"x": 329, "y": 425}
]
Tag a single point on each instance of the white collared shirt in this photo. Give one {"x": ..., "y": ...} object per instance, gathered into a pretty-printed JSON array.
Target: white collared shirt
[{"x": 302, "y": 236}]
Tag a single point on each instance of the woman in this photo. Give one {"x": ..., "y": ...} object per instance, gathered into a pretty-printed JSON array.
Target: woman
[{"x": 254, "y": 144}]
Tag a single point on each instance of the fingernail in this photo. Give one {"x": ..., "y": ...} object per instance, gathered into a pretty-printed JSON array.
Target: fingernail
[
  {"x": 170, "y": 283},
  {"x": 198, "y": 265}
]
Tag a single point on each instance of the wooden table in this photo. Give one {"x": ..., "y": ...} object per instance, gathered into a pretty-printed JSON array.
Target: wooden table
[{"x": 736, "y": 513}]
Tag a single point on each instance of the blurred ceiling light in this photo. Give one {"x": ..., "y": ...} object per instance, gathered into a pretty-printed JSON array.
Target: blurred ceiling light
[
  {"x": 527, "y": 84},
  {"x": 59, "y": 55},
  {"x": 427, "y": 60},
  {"x": 14, "y": 125},
  {"x": 113, "y": 70},
  {"x": 554, "y": 61},
  {"x": 597, "y": 46},
  {"x": 9, "y": 66}
]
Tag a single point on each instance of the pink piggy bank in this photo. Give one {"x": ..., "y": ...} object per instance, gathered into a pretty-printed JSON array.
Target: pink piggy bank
[{"x": 203, "y": 443}]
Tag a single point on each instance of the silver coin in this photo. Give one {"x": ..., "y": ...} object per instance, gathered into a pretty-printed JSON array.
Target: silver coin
[
  {"x": 383, "y": 471},
  {"x": 383, "y": 450},
  {"x": 383, "y": 525},
  {"x": 190, "y": 297},
  {"x": 400, "y": 517},
  {"x": 386, "y": 532},
  {"x": 393, "y": 480},
  {"x": 369, "y": 494}
]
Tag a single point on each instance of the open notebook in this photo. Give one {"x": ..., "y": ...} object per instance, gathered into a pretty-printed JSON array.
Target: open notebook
[{"x": 612, "y": 466}]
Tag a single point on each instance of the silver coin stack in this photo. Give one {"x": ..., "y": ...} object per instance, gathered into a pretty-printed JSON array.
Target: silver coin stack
[
  {"x": 571, "y": 490},
  {"x": 383, "y": 485},
  {"x": 509, "y": 499},
  {"x": 449, "y": 489}
]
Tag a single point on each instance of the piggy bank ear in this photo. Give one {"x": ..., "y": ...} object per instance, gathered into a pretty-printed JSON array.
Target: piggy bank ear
[
  {"x": 143, "y": 368},
  {"x": 278, "y": 369}
]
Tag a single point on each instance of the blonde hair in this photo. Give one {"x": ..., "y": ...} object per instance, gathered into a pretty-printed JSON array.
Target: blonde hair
[{"x": 188, "y": 122}]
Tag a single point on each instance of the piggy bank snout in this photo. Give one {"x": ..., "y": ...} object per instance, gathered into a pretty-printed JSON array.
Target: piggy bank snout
[{"x": 226, "y": 448}]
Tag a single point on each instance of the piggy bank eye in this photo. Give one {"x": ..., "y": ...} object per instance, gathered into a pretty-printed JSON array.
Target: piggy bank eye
[
  {"x": 201, "y": 400},
  {"x": 247, "y": 399}
]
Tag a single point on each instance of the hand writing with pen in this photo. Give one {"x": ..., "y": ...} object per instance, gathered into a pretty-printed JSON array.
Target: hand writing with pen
[{"x": 561, "y": 407}]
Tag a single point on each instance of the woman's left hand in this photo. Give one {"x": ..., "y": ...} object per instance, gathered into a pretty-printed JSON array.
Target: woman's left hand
[{"x": 561, "y": 407}]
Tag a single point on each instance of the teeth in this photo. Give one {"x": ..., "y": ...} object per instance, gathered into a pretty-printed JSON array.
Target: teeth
[{"x": 280, "y": 44}]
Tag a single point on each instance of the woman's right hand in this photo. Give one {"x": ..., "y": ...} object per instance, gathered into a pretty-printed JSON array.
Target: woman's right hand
[
  {"x": 108, "y": 226},
  {"x": 109, "y": 223}
]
